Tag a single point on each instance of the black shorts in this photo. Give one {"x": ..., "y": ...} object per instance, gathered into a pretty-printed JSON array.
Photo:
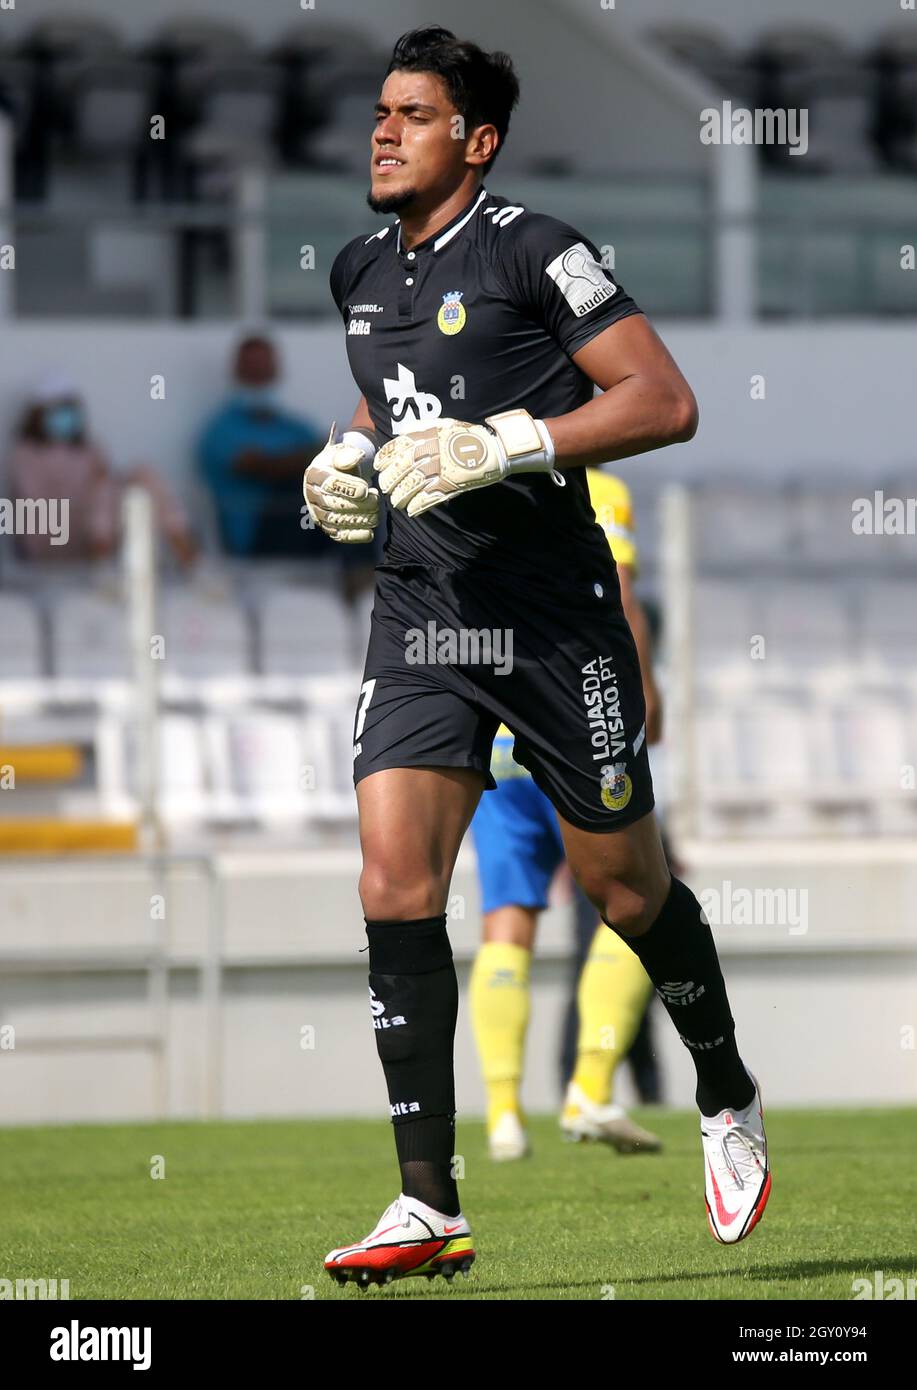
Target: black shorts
[{"x": 452, "y": 655}]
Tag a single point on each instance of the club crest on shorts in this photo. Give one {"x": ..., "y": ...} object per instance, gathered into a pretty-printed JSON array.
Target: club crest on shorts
[
  {"x": 451, "y": 317},
  {"x": 617, "y": 787}
]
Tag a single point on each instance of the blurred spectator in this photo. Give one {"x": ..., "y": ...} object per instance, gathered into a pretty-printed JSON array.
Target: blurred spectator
[
  {"x": 253, "y": 454},
  {"x": 54, "y": 457}
]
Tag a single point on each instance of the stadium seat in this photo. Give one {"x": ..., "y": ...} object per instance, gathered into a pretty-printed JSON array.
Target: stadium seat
[
  {"x": 178, "y": 47},
  {"x": 304, "y": 630},
  {"x": 21, "y": 647},
  {"x": 740, "y": 525},
  {"x": 271, "y": 776},
  {"x": 236, "y": 105},
  {"x": 182, "y": 770},
  {"x": 824, "y": 534},
  {"x": 805, "y": 623},
  {"x": 111, "y": 99},
  {"x": 328, "y": 745},
  {"x": 204, "y": 636},
  {"x": 89, "y": 636},
  {"x": 16, "y": 89},
  {"x": 48, "y": 55},
  {"x": 194, "y": 39},
  {"x": 707, "y": 52},
  {"x": 723, "y": 619},
  {"x": 89, "y": 640},
  {"x": 342, "y": 144},
  {"x": 797, "y": 49},
  {"x": 888, "y": 627},
  {"x": 895, "y": 114},
  {"x": 331, "y": 76},
  {"x": 753, "y": 768},
  {"x": 840, "y": 120},
  {"x": 876, "y": 742},
  {"x": 807, "y": 67}
]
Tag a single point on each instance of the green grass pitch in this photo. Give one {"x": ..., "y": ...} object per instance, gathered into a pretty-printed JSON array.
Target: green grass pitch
[{"x": 248, "y": 1210}]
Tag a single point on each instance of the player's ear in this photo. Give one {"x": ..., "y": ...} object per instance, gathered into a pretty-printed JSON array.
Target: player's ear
[{"x": 481, "y": 145}]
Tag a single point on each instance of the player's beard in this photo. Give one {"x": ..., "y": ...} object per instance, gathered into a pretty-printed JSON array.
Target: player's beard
[{"x": 391, "y": 202}]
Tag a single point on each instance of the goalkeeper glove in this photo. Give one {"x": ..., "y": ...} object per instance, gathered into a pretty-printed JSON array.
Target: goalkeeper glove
[
  {"x": 421, "y": 470},
  {"x": 337, "y": 490}
]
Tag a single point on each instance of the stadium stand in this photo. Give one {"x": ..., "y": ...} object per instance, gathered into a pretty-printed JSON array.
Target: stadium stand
[
  {"x": 258, "y": 699},
  {"x": 80, "y": 96}
]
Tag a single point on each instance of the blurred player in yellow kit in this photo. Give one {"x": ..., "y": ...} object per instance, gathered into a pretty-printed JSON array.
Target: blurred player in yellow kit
[{"x": 519, "y": 848}]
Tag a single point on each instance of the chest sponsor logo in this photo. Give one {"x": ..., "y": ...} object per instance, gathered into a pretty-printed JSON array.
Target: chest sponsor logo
[
  {"x": 452, "y": 316},
  {"x": 410, "y": 407},
  {"x": 358, "y": 328},
  {"x": 580, "y": 279}
]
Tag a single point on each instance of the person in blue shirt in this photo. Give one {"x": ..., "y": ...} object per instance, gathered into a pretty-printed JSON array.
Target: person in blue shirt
[{"x": 252, "y": 454}]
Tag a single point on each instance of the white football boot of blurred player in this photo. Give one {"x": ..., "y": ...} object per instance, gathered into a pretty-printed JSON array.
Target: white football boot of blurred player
[
  {"x": 736, "y": 1172},
  {"x": 409, "y": 1238},
  {"x": 508, "y": 1139},
  {"x": 583, "y": 1119}
]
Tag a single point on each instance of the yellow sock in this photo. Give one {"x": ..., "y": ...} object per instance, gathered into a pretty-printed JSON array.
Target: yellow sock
[
  {"x": 499, "y": 994},
  {"x": 612, "y": 994}
]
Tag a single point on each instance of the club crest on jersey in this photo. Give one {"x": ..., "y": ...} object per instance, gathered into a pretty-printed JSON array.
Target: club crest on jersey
[
  {"x": 451, "y": 317},
  {"x": 616, "y": 786}
]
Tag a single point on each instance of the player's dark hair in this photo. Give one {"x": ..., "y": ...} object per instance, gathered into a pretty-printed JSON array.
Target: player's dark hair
[{"x": 483, "y": 87}]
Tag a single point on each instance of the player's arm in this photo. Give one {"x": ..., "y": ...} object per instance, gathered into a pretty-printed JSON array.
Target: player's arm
[
  {"x": 362, "y": 420},
  {"x": 635, "y": 614},
  {"x": 554, "y": 277},
  {"x": 645, "y": 402}
]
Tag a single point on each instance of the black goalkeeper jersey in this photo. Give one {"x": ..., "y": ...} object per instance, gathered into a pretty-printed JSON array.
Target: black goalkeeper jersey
[{"x": 482, "y": 317}]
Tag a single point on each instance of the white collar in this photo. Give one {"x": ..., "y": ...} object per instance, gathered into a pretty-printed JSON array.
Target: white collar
[{"x": 446, "y": 237}]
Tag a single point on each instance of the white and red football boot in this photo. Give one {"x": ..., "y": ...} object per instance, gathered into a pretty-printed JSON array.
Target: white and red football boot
[
  {"x": 410, "y": 1238},
  {"x": 737, "y": 1176}
]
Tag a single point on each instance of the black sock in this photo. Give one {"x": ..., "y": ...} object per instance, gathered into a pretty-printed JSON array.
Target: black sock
[
  {"x": 414, "y": 1001},
  {"x": 679, "y": 955}
]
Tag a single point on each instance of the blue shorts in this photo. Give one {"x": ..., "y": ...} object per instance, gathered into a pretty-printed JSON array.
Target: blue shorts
[{"x": 516, "y": 839}]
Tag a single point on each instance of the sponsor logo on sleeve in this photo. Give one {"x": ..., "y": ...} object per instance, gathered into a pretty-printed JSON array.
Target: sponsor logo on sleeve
[{"x": 580, "y": 279}]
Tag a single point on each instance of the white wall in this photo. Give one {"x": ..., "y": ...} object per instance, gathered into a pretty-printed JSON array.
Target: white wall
[
  {"x": 839, "y": 398},
  {"x": 821, "y": 1015}
]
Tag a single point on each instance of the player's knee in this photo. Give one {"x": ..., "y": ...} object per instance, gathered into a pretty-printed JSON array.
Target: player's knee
[
  {"x": 389, "y": 894},
  {"x": 629, "y": 909}
]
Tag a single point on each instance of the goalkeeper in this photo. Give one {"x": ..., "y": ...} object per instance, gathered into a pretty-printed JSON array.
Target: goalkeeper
[{"x": 477, "y": 332}]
